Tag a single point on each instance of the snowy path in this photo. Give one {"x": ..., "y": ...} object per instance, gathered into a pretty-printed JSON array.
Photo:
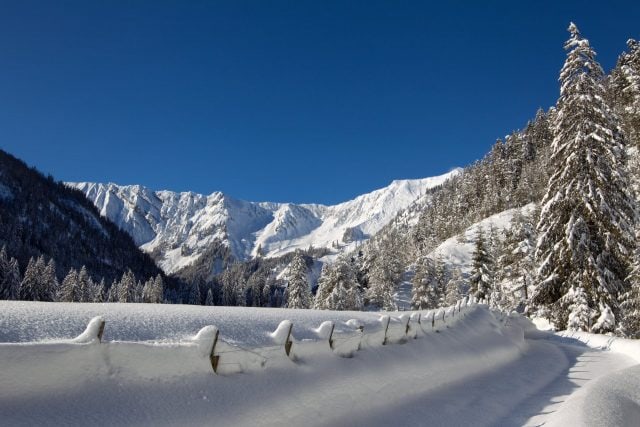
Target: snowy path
[{"x": 543, "y": 387}]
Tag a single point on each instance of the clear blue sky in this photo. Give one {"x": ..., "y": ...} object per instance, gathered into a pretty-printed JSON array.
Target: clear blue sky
[{"x": 286, "y": 101}]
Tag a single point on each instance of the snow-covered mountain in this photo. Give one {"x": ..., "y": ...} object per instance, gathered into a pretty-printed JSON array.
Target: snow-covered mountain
[{"x": 177, "y": 228}]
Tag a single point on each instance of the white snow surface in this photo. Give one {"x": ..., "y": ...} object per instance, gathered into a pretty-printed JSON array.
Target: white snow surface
[
  {"x": 457, "y": 251},
  {"x": 178, "y": 227},
  {"x": 479, "y": 368}
]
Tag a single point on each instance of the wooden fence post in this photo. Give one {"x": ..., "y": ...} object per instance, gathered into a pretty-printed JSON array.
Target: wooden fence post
[
  {"x": 288, "y": 343},
  {"x": 361, "y": 329},
  {"x": 101, "y": 331},
  {"x": 386, "y": 329},
  {"x": 213, "y": 358},
  {"x": 333, "y": 326}
]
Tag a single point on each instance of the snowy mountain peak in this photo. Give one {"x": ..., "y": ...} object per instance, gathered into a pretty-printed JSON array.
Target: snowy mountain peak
[{"x": 177, "y": 228}]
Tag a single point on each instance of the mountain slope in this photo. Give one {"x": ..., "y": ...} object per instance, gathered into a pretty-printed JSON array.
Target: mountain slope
[
  {"x": 178, "y": 228},
  {"x": 39, "y": 216}
]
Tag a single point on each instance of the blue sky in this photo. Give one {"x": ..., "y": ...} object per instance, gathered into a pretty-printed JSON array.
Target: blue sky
[{"x": 281, "y": 100}]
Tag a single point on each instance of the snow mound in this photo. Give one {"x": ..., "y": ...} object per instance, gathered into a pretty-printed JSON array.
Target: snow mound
[
  {"x": 171, "y": 382},
  {"x": 93, "y": 333}
]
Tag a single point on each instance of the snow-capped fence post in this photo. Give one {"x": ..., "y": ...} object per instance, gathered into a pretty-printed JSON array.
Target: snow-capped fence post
[
  {"x": 214, "y": 359},
  {"x": 92, "y": 333},
  {"x": 282, "y": 336},
  {"x": 419, "y": 325},
  {"x": 433, "y": 320},
  {"x": 386, "y": 328},
  {"x": 206, "y": 340},
  {"x": 288, "y": 342},
  {"x": 361, "y": 329}
]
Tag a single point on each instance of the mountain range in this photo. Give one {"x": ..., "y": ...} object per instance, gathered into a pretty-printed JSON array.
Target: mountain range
[{"x": 176, "y": 229}]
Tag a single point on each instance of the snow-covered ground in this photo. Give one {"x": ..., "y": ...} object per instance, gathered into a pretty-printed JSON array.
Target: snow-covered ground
[
  {"x": 457, "y": 251},
  {"x": 477, "y": 368}
]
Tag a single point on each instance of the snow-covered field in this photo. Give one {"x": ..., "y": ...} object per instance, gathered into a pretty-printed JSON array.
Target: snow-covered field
[{"x": 477, "y": 368}]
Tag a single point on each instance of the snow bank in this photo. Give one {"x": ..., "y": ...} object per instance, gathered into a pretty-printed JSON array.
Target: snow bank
[
  {"x": 170, "y": 382},
  {"x": 23, "y": 321},
  {"x": 612, "y": 399},
  {"x": 630, "y": 348}
]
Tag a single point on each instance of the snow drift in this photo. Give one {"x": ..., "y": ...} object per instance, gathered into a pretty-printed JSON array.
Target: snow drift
[{"x": 163, "y": 381}]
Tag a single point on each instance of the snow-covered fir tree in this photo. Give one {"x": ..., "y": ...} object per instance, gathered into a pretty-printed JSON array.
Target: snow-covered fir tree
[
  {"x": 421, "y": 292},
  {"x": 338, "y": 288},
  {"x": 429, "y": 284},
  {"x": 85, "y": 287},
  {"x": 515, "y": 264},
  {"x": 453, "y": 288},
  {"x": 298, "y": 290},
  {"x": 100, "y": 291},
  {"x": 481, "y": 279},
  {"x": 381, "y": 286},
  {"x": 39, "y": 282},
  {"x": 575, "y": 302},
  {"x": 127, "y": 287},
  {"x": 585, "y": 222},
  {"x": 629, "y": 325},
  {"x": 325, "y": 286},
  {"x": 153, "y": 290},
  {"x": 624, "y": 91},
  {"x": 67, "y": 289},
  {"x": 209, "y": 300},
  {"x": 195, "y": 296},
  {"x": 9, "y": 277}
]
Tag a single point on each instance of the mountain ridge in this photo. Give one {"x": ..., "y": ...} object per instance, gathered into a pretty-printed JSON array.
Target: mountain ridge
[{"x": 176, "y": 228}]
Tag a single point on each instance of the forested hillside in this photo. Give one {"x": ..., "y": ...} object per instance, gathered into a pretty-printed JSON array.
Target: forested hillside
[
  {"x": 573, "y": 259},
  {"x": 48, "y": 230}
]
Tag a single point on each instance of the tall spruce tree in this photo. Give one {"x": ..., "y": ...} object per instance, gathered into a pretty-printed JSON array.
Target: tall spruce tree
[
  {"x": 338, "y": 288},
  {"x": 453, "y": 287},
  {"x": 298, "y": 290},
  {"x": 67, "y": 291},
  {"x": 422, "y": 285},
  {"x": 515, "y": 264},
  {"x": 585, "y": 221},
  {"x": 381, "y": 286},
  {"x": 482, "y": 268},
  {"x": 625, "y": 91},
  {"x": 85, "y": 288},
  {"x": 209, "y": 300},
  {"x": 39, "y": 282},
  {"x": 9, "y": 277},
  {"x": 629, "y": 325},
  {"x": 127, "y": 287}
]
